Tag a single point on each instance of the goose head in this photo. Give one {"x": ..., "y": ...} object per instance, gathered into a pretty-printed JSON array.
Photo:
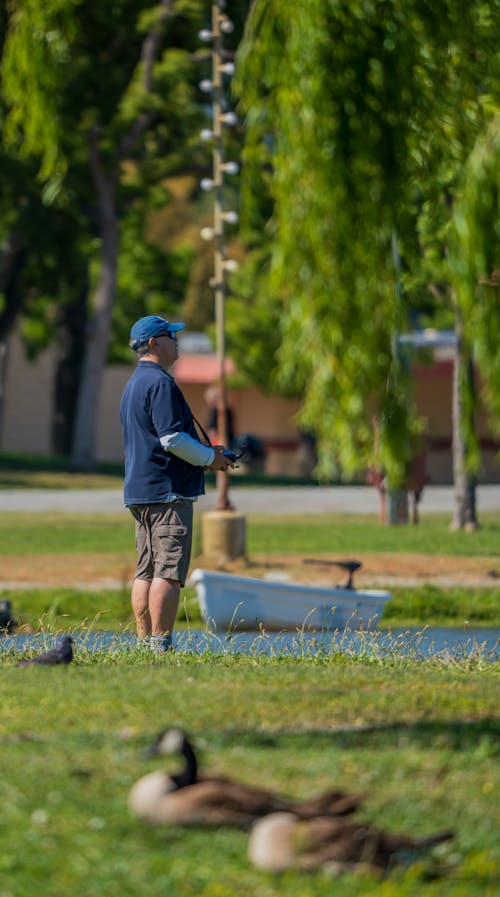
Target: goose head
[
  {"x": 169, "y": 741},
  {"x": 175, "y": 741}
]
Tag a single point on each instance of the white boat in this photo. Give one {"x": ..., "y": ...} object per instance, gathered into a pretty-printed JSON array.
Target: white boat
[{"x": 240, "y": 603}]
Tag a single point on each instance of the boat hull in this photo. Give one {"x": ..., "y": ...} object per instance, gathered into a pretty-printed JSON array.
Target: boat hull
[{"x": 240, "y": 603}]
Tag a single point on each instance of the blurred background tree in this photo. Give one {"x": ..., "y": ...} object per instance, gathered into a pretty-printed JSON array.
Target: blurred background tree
[{"x": 106, "y": 98}]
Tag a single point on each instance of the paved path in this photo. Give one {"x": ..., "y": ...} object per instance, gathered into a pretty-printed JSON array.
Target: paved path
[{"x": 247, "y": 500}]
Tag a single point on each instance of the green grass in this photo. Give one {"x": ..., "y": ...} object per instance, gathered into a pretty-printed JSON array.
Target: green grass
[
  {"x": 54, "y": 609},
  {"x": 45, "y": 533},
  {"x": 442, "y": 607},
  {"x": 292, "y": 534},
  {"x": 350, "y": 534},
  {"x": 420, "y": 740}
]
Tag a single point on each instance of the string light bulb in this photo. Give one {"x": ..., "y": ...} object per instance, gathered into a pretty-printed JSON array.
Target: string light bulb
[
  {"x": 230, "y": 167},
  {"x": 231, "y": 217},
  {"x": 229, "y": 118}
]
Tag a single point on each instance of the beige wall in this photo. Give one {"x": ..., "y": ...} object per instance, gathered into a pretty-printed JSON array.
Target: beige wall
[
  {"x": 25, "y": 423},
  {"x": 433, "y": 396}
]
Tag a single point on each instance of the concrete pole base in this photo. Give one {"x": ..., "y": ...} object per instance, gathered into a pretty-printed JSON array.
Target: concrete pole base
[{"x": 223, "y": 535}]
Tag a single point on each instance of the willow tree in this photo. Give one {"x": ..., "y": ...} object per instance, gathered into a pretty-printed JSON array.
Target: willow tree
[
  {"x": 475, "y": 263},
  {"x": 350, "y": 105}
]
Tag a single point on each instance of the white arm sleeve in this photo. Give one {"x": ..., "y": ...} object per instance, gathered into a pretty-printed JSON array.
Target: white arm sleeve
[{"x": 184, "y": 446}]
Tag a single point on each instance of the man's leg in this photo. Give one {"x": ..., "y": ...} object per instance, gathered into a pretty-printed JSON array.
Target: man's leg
[
  {"x": 144, "y": 571},
  {"x": 140, "y": 605},
  {"x": 171, "y": 537},
  {"x": 164, "y": 596}
]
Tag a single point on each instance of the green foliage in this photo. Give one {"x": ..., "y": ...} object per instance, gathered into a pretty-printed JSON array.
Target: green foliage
[
  {"x": 357, "y": 115},
  {"x": 150, "y": 280},
  {"x": 254, "y": 326},
  {"x": 477, "y": 260},
  {"x": 35, "y": 57},
  {"x": 73, "y": 73}
]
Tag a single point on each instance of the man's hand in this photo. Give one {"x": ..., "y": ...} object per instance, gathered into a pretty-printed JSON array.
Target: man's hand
[{"x": 220, "y": 462}]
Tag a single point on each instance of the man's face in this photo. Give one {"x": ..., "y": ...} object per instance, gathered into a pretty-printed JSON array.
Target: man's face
[{"x": 166, "y": 349}]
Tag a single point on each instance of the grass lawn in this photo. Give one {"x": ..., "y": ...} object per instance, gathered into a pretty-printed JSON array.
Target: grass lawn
[
  {"x": 317, "y": 534},
  {"x": 421, "y": 741}
]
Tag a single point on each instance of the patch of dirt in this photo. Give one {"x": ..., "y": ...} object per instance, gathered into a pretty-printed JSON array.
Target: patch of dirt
[
  {"x": 116, "y": 570},
  {"x": 68, "y": 570}
]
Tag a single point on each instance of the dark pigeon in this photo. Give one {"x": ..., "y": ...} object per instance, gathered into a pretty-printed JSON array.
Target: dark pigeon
[{"x": 61, "y": 654}]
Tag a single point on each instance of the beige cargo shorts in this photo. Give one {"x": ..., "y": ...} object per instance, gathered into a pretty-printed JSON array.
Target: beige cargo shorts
[{"x": 163, "y": 537}]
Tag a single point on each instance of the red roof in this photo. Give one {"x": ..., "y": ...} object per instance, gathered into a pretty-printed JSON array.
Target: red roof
[{"x": 200, "y": 368}]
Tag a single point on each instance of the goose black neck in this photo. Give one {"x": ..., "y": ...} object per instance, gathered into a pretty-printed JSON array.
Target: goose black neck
[{"x": 189, "y": 774}]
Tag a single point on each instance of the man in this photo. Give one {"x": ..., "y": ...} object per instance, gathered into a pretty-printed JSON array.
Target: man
[{"x": 164, "y": 475}]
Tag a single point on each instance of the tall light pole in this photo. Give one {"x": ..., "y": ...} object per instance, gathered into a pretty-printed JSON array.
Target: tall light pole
[
  {"x": 220, "y": 25},
  {"x": 223, "y": 530}
]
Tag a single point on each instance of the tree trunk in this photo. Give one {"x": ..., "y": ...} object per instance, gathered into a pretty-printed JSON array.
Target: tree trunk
[
  {"x": 464, "y": 515},
  {"x": 70, "y": 352},
  {"x": 3, "y": 372},
  {"x": 11, "y": 264},
  {"x": 397, "y": 507},
  {"x": 83, "y": 456}
]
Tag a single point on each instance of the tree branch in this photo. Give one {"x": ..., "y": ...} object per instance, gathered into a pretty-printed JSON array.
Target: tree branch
[
  {"x": 152, "y": 42},
  {"x": 149, "y": 54},
  {"x": 437, "y": 292},
  {"x": 104, "y": 184}
]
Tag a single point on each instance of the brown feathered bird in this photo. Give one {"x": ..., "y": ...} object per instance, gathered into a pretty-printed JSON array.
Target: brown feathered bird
[
  {"x": 61, "y": 654},
  {"x": 283, "y": 841},
  {"x": 186, "y": 798}
]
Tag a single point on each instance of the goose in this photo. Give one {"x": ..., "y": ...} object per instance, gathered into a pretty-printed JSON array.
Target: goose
[
  {"x": 186, "y": 798},
  {"x": 282, "y": 841},
  {"x": 61, "y": 654}
]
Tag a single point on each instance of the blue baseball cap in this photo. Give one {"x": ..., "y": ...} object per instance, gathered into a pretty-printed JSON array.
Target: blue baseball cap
[{"x": 151, "y": 325}]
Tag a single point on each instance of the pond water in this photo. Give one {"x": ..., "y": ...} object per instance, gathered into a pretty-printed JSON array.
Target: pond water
[{"x": 445, "y": 643}]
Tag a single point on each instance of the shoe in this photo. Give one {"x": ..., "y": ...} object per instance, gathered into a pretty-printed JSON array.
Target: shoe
[{"x": 160, "y": 643}]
